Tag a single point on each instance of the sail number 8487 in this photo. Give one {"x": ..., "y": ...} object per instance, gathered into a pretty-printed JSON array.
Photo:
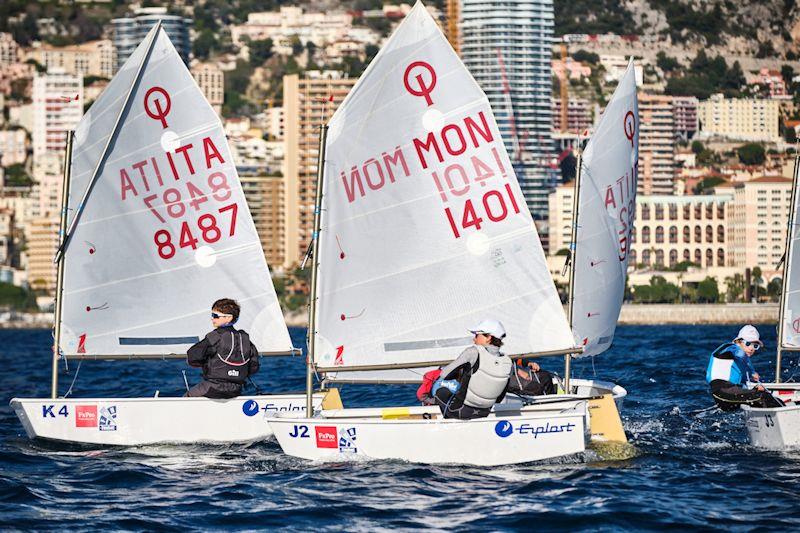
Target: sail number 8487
[{"x": 207, "y": 229}]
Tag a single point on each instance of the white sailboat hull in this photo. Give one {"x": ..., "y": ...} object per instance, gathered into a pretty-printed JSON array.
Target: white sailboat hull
[
  {"x": 140, "y": 421},
  {"x": 776, "y": 428},
  {"x": 506, "y": 437}
]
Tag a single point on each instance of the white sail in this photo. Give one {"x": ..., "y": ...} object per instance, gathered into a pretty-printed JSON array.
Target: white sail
[
  {"x": 791, "y": 285},
  {"x": 605, "y": 219},
  {"x": 165, "y": 230},
  {"x": 424, "y": 229}
]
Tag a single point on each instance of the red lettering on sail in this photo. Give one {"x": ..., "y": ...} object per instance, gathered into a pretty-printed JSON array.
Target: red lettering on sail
[{"x": 211, "y": 152}]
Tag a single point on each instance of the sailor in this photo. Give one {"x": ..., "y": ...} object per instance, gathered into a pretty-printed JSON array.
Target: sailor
[
  {"x": 469, "y": 386},
  {"x": 226, "y": 355},
  {"x": 531, "y": 381},
  {"x": 730, "y": 371}
]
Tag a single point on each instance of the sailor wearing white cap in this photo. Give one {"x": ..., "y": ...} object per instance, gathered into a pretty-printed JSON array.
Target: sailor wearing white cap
[
  {"x": 730, "y": 370},
  {"x": 482, "y": 372}
]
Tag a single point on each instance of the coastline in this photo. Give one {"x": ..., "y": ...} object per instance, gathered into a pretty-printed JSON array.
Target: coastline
[{"x": 631, "y": 314}]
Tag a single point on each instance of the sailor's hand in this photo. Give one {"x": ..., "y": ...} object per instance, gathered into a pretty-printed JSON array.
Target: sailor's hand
[
  {"x": 756, "y": 377},
  {"x": 760, "y": 387},
  {"x": 534, "y": 366}
]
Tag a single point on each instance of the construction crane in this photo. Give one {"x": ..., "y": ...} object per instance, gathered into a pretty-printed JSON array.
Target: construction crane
[{"x": 564, "y": 85}]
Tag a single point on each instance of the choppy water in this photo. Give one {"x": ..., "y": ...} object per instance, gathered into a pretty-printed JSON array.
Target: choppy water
[{"x": 693, "y": 468}]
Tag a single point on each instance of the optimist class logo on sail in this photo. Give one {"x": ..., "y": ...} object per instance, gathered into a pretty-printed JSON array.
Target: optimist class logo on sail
[
  {"x": 462, "y": 160},
  {"x": 185, "y": 185},
  {"x": 620, "y": 197}
]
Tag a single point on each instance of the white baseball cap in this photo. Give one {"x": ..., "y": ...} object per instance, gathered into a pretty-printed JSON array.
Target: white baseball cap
[
  {"x": 750, "y": 334},
  {"x": 491, "y": 326}
]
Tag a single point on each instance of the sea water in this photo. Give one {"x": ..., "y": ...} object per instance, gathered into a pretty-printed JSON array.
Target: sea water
[{"x": 692, "y": 466}]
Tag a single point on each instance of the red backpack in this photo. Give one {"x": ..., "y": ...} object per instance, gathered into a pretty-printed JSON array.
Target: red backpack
[{"x": 427, "y": 383}]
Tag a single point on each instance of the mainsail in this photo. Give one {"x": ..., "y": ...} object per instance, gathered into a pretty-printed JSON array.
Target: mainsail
[
  {"x": 424, "y": 229},
  {"x": 606, "y": 213},
  {"x": 790, "y": 313},
  {"x": 159, "y": 225}
]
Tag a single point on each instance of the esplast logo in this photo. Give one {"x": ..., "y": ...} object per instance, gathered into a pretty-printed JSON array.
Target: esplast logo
[
  {"x": 326, "y": 437},
  {"x": 503, "y": 429},
  {"x": 250, "y": 408}
]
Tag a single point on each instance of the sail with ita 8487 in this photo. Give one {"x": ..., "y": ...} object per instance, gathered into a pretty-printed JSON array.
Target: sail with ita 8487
[{"x": 158, "y": 225}]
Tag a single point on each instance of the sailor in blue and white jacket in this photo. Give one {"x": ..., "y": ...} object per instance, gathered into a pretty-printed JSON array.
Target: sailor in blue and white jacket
[{"x": 730, "y": 363}]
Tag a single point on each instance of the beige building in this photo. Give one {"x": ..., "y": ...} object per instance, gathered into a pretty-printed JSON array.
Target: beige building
[
  {"x": 95, "y": 58},
  {"x": 13, "y": 146},
  {"x": 307, "y": 103},
  {"x": 211, "y": 80},
  {"x": 759, "y": 215},
  {"x": 656, "y": 145},
  {"x": 42, "y": 241},
  {"x": 741, "y": 226},
  {"x": 739, "y": 118},
  {"x": 57, "y": 108},
  {"x": 264, "y": 196},
  {"x": 6, "y": 235},
  {"x": 9, "y": 49}
]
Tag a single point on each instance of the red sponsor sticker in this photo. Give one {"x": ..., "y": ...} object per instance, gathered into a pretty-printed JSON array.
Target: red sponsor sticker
[
  {"x": 86, "y": 416},
  {"x": 327, "y": 437}
]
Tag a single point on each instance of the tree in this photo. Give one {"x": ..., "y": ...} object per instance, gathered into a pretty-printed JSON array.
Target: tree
[
  {"x": 751, "y": 154},
  {"x": 260, "y": 52},
  {"x": 787, "y": 73},
  {"x": 586, "y": 57},
  {"x": 569, "y": 166},
  {"x": 667, "y": 63},
  {"x": 757, "y": 277},
  {"x": 697, "y": 147},
  {"x": 708, "y": 291},
  {"x": 658, "y": 291},
  {"x": 204, "y": 43},
  {"x": 774, "y": 288},
  {"x": 734, "y": 287}
]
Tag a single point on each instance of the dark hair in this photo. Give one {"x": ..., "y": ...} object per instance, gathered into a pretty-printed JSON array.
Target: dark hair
[
  {"x": 494, "y": 341},
  {"x": 228, "y": 307}
]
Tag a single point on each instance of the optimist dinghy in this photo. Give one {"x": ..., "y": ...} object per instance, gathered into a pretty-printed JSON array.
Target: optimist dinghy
[
  {"x": 778, "y": 428},
  {"x": 421, "y": 231},
  {"x": 604, "y": 213},
  {"x": 157, "y": 229}
]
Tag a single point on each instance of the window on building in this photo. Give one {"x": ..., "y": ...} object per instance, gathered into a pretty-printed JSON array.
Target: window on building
[
  {"x": 646, "y": 235},
  {"x": 673, "y": 234},
  {"x": 698, "y": 234},
  {"x": 659, "y": 234},
  {"x": 698, "y": 257},
  {"x": 687, "y": 256},
  {"x": 709, "y": 234},
  {"x": 687, "y": 234},
  {"x": 673, "y": 212},
  {"x": 721, "y": 211},
  {"x": 660, "y": 258},
  {"x": 633, "y": 235},
  {"x": 709, "y": 258},
  {"x": 720, "y": 233},
  {"x": 659, "y": 212},
  {"x": 633, "y": 257},
  {"x": 687, "y": 212},
  {"x": 646, "y": 257},
  {"x": 698, "y": 212},
  {"x": 709, "y": 211},
  {"x": 720, "y": 257},
  {"x": 673, "y": 258},
  {"x": 645, "y": 212}
]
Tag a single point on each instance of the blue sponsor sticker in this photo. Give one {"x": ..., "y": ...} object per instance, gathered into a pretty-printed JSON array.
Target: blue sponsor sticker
[
  {"x": 250, "y": 408},
  {"x": 503, "y": 428}
]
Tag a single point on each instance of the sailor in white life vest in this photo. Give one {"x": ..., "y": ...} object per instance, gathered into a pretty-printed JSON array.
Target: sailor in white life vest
[
  {"x": 226, "y": 355},
  {"x": 473, "y": 383}
]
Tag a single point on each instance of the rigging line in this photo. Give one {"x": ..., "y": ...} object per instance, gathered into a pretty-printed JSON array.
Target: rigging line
[
  {"x": 185, "y": 381},
  {"x": 74, "y": 379}
]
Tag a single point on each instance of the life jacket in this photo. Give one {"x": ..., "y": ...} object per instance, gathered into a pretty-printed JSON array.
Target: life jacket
[
  {"x": 427, "y": 383},
  {"x": 231, "y": 358},
  {"x": 490, "y": 379},
  {"x": 722, "y": 365}
]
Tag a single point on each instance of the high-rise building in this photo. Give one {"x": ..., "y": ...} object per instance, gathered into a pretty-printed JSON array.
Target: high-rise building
[
  {"x": 211, "y": 80},
  {"x": 684, "y": 108},
  {"x": 264, "y": 195},
  {"x": 307, "y": 103},
  {"x": 579, "y": 115},
  {"x": 57, "y": 108},
  {"x": 13, "y": 146},
  {"x": 42, "y": 241},
  {"x": 507, "y": 46},
  {"x": 130, "y": 31},
  {"x": 9, "y": 49},
  {"x": 656, "y": 145},
  {"x": 743, "y": 119}
]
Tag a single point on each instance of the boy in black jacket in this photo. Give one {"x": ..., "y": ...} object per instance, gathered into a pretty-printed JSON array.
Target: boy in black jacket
[{"x": 226, "y": 355}]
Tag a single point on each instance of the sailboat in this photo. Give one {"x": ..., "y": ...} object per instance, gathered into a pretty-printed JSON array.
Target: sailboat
[
  {"x": 154, "y": 229},
  {"x": 421, "y": 230},
  {"x": 604, "y": 213},
  {"x": 777, "y": 428}
]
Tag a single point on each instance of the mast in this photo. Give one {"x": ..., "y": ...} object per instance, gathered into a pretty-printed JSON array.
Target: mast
[
  {"x": 60, "y": 261},
  {"x": 573, "y": 252},
  {"x": 787, "y": 259},
  {"x": 312, "y": 305}
]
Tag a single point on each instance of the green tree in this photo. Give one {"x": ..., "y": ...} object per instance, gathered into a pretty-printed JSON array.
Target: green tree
[
  {"x": 17, "y": 176},
  {"x": 774, "y": 288},
  {"x": 734, "y": 286},
  {"x": 751, "y": 154},
  {"x": 586, "y": 57},
  {"x": 697, "y": 147},
  {"x": 787, "y": 73},
  {"x": 658, "y": 291},
  {"x": 17, "y": 298},
  {"x": 756, "y": 276},
  {"x": 667, "y": 63},
  {"x": 260, "y": 52},
  {"x": 708, "y": 291},
  {"x": 205, "y": 42}
]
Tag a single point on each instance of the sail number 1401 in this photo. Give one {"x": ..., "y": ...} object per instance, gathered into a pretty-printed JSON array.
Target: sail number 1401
[{"x": 493, "y": 207}]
